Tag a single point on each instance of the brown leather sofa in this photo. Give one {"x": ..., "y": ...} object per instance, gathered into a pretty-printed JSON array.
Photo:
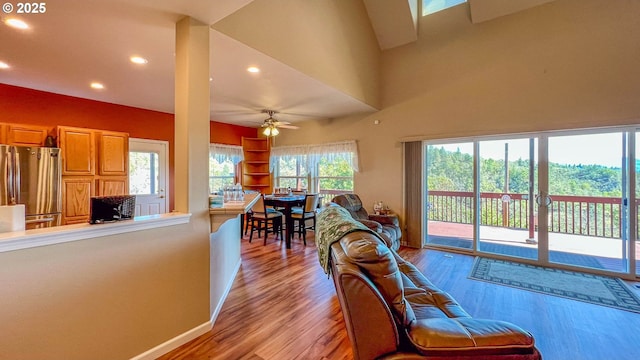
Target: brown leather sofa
[
  {"x": 392, "y": 311},
  {"x": 383, "y": 224}
]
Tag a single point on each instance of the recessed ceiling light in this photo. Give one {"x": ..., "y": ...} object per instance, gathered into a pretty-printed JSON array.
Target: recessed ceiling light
[
  {"x": 18, "y": 24},
  {"x": 4, "y": 65},
  {"x": 138, "y": 60},
  {"x": 253, "y": 69},
  {"x": 97, "y": 85}
]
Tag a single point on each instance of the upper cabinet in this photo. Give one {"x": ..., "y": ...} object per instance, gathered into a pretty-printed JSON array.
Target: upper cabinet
[
  {"x": 78, "y": 150},
  {"x": 23, "y": 135},
  {"x": 113, "y": 153},
  {"x": 83, "y": 148}
]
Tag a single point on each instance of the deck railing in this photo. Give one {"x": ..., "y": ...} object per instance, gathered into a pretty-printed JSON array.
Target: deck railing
[
  {"x": 326, "y": 195},
  {"x": 580, "y": 215}
]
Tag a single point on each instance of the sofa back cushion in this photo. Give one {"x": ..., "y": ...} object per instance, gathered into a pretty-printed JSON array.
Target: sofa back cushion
[
  {"x": 376, "y": 260},
  {"x": 353, "y": 204}
]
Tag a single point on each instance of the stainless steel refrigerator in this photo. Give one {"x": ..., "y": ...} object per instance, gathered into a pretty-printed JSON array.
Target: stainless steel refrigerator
[{"x": 32, "y": 176}]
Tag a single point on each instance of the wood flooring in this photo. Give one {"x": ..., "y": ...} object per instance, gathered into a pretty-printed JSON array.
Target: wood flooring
[{"x": 282, "y": 306}]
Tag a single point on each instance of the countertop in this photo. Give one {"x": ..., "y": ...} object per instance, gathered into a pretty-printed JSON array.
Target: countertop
[{"x": 236, "y": 207}]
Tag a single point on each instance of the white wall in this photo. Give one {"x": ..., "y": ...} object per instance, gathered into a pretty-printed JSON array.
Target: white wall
[
  {"x": 565, "y": 64},
  {"x": 110, "y": 297},
  {"x": 329, "y": 40}
]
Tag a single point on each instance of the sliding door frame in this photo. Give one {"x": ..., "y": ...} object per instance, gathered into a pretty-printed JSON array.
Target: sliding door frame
[{"x": 630, "y": 203}]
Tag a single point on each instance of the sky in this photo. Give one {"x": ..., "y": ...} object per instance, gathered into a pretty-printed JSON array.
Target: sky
[{"x": 589, "y": 149}]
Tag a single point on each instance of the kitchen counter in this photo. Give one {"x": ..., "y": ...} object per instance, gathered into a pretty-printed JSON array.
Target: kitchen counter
[
  {"x": 231, "y": 210},
  {"x": 17, "y": 240}
]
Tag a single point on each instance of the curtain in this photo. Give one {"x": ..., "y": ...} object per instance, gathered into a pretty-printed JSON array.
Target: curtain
[
  {"x": 223, "y": 153},
  {"x": 413, "y": 162},
  {"x": 344, "y": 150},
  {"x": 286, "y": 153}
]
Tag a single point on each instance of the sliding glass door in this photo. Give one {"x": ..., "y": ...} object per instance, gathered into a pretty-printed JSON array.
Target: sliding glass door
[
  {"x": 450, "y": 201},
  {"x": 555, "y": 198},
  {"x": 508, "y": 219},
  {"x": 587, "y": 213}
]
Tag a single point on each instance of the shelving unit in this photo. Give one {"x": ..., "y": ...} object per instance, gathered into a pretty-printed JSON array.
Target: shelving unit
[{"x": 255, "y": 167}]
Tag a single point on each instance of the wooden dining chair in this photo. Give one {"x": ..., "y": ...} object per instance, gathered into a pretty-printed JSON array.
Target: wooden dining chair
[
  {"x": 246, "y": 218},
  {"x": 265, "y": 219},
  {"x": 307, "y": 212}
]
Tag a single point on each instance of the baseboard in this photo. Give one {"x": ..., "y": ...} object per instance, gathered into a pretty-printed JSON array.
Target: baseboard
[
  {"x": 189, "y": 335},
  {"x": 177, "y": 341},
  {"x": 216, "y": 311}
]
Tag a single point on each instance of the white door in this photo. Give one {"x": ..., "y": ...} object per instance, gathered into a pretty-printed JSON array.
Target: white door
[{"x": 149, "y": 175}]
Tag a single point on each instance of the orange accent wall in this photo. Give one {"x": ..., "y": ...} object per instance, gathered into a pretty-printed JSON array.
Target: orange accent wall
[
  {"x": 221, "y": 133},
  {"x": 27, "y": 106}
]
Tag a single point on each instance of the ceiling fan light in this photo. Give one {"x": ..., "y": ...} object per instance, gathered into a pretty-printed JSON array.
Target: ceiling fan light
[
  {"x": 275, "y": 131},
  {"x": 267, "y": 131}
]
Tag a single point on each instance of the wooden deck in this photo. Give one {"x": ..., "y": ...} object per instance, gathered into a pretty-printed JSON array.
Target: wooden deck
[
  {"x": 282, "y": 306},
  {"x": 584, "y": 251}
]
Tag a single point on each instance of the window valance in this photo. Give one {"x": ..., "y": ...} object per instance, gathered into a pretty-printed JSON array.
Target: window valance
[
  {"x": 222, "y": 153},
  {"x": 344, "y": 150}
]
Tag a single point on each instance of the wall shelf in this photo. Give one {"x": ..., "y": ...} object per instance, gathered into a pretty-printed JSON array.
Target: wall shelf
[{"x": 255, "y": 167}]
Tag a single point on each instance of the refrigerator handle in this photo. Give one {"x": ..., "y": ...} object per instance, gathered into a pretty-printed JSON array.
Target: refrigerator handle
[
  {"x": 11, "y": 180},
  {"x": 16, "y": 184}
]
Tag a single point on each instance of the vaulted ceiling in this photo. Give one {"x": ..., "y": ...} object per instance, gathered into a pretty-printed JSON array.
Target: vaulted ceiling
[{"x": 76, "y": 42}]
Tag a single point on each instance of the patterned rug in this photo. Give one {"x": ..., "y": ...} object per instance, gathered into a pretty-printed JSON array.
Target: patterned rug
[{"x": 595, "y": 289}]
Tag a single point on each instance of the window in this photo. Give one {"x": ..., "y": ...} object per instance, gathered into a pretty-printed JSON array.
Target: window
[
  {"x": 433, "y": 6},
  {"x": 221, "y": 174},
  {"x": 335, "y": 176},
  {"x": 222, "y": 165},
  {"x": 325, "y": 168},
  {"x": 143, "y": 173},
  {"x": 292, "y": 172}
]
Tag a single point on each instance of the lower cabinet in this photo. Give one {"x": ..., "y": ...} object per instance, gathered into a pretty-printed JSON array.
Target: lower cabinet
[
  {"x": 76, "y": 194},
  {"x": 78, "y": 190}
]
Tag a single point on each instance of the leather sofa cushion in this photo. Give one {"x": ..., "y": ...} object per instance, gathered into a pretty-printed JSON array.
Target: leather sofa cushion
[
  {"x": 413, "y": 278},
  {"x": 376, "y": 260},
  {"x": 435, "y": 336},
  {"x": 427, "y": 305}
]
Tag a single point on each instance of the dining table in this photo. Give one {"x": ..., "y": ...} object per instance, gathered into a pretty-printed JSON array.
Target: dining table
[{"x": 286, "y": 203}]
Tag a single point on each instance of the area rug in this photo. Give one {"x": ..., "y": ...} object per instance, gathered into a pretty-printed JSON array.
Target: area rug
[{"x": 595, "y": 289}]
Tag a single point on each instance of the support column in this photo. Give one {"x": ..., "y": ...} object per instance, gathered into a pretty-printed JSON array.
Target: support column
[
  {"x": 220, "y": 252},
  {"x": 192, "y": 146},
  {"x": 192, "y": 112}
]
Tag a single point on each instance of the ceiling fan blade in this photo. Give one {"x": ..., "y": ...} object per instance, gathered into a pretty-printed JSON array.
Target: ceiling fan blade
[{"x": 288, "y": 126}]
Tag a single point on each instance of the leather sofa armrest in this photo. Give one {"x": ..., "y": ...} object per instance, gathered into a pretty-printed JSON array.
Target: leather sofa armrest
[
  {"x": 373, "y": 225},
  {"x": 385, "y": 219},
  {"x": 468, "y": 336}
]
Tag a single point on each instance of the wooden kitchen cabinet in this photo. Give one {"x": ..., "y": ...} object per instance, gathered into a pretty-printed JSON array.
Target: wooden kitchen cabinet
[
  {"x": 26, "y": 135},
  {"x": 113, "y": 186},
  {"x": 113, "y": 153},
  {"x": 94, "y": 163},
  {"x": 23, "y": 135},
  {"x": 76, "y": 198},
  {"x": 3, "y": 133},
  {"x": 78, "y": 150}
]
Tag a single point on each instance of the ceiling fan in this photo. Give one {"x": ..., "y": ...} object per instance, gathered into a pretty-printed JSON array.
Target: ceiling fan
[{"x": 271, "y": 125}]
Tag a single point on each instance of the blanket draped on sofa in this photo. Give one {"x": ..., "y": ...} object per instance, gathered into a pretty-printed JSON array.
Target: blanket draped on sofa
[{"x": 333, "y": 223}]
